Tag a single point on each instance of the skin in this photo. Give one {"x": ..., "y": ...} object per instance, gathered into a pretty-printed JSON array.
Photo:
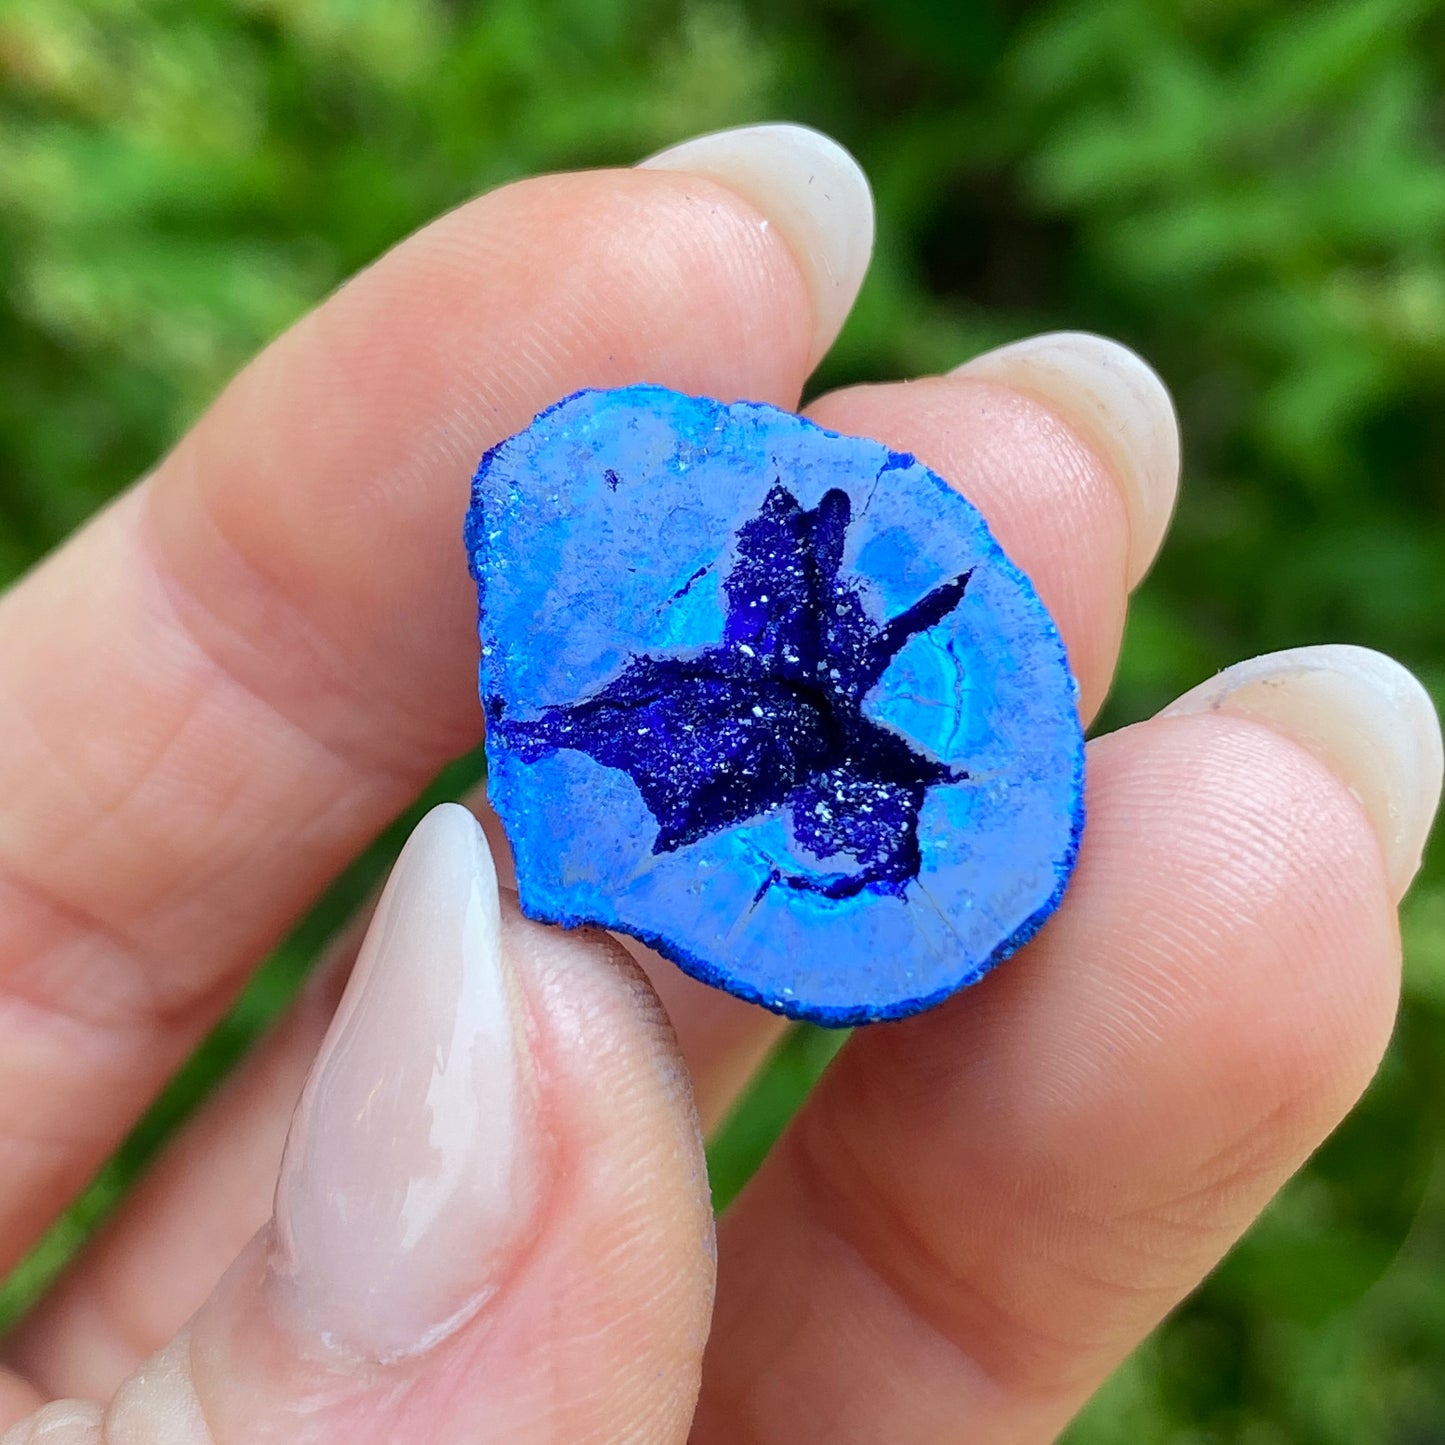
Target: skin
[{"x": 980, "y": 1212}]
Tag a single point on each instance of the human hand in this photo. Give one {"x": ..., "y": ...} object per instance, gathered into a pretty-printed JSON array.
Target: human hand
[{"x": 492, "y": 1222}]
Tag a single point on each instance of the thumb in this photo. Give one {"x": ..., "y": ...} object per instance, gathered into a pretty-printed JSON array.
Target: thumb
[{"x": 492, "y": 1221}]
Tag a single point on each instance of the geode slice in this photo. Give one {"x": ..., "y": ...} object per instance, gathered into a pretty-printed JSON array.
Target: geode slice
[{"x": 770, "y": 699}]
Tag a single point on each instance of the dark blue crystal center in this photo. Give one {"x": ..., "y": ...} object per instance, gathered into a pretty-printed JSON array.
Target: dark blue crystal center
[{"x": 772, "y": 717}]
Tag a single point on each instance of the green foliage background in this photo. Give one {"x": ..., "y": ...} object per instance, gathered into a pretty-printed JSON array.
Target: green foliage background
[{"x": 1251, "y": 193}]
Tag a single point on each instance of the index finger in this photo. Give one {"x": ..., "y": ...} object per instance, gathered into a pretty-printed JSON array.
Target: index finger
[{"x": 233, "y": 678}]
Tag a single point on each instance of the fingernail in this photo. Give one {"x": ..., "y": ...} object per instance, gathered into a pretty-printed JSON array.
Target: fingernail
[
  {"x": 1362, "y": 715},
  {"x": 62, "y": 1422},
  {"x": 810, "y": 189},
  {"x": 411, "y": 1171},
  {"x": 1116, "y": 402}
]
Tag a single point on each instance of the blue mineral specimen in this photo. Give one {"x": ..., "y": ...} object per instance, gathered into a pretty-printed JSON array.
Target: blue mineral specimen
[{"x": 770, "y": 699}]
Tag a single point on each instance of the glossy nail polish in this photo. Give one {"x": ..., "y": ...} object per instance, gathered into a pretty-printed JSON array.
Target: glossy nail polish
[{"x": 412, "y": 1169}]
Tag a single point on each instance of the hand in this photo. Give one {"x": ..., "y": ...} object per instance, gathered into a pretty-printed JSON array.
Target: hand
[{"x": 493, "y": 1222}]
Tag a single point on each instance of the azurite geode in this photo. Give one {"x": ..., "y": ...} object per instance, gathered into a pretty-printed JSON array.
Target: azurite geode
[{"x": 771, "y": 700}]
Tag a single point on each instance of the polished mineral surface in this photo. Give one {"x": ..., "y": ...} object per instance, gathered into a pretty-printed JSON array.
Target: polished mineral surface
[{"x": 771, "y": 700}]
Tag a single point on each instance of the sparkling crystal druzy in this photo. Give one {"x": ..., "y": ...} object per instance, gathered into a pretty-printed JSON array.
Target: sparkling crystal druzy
[{"x": 771, "y": 700}]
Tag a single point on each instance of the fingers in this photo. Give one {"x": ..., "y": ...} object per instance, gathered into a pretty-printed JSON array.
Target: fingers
[
  {"x": 492, "y": 1220},
  {"x": 1081, "y": 517},
  {"x": 225, "y": 686},
  {"x": 1062, "y": 509},
  {"x": 984, "y": 1208}
]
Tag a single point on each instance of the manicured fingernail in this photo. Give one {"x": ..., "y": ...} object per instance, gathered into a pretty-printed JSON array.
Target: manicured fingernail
[
  {"x": 1116, "y": 402},
  {"x": 1362, "y": 715},
  {"x": 810, "y": 189},
  {"x": 411, "y": 1171}
]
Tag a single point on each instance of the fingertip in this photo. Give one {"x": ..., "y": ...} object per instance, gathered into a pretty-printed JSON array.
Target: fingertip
[
  {"x": 1117, "y": 402},
  {"x": 1364, "y": 716},
  {"x": 811, "y": 189}
]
